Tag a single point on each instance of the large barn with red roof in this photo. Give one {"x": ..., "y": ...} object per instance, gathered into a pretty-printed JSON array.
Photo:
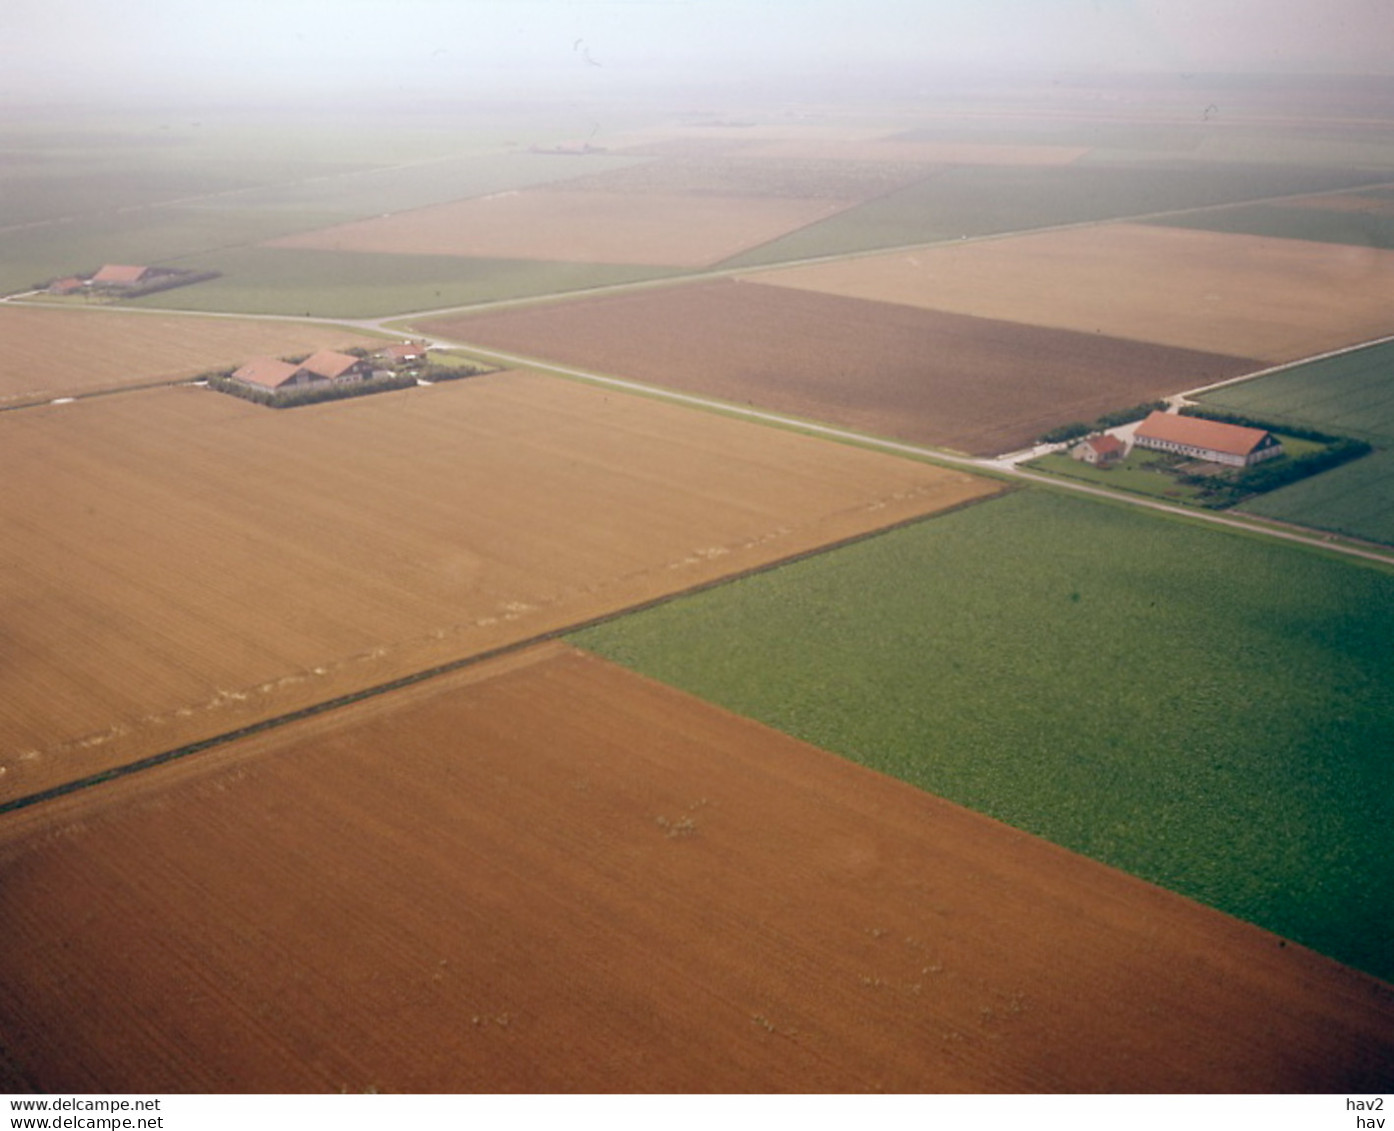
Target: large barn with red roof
[
  {"x": 322, "y": 367},
  {"x": 1209, "y": 440}
]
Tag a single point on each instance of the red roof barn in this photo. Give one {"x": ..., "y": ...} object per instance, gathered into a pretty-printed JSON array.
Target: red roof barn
[
  {"x": 116, "y": 275},
  {"x": 1209, "y": 440},
  {"x": 267, "y": 373}
]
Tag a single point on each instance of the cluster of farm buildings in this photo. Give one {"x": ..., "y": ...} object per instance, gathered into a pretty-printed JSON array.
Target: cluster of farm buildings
[
  {"x": 1211, "y": 441},
  {"x": 119, "y": 279},
  {"x": 326, "y": 367}
]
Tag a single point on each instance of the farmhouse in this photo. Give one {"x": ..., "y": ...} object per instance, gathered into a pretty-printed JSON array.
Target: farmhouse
[
  {"x": 119, "y": 280},
  {"x": 1102, "y": 450},
  {"x": 403, "y": 353},
  {"x": 321, "y": 368},
  {"x": 1209, "y": 440}
]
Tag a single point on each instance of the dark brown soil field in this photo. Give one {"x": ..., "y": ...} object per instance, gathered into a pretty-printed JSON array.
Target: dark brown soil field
[
  {"x": 548, "y": 874},
  {"x": 975, "y": 384}
]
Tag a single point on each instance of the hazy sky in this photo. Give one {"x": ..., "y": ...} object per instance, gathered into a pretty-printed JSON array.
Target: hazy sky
[{"x": 466, "y": 44}]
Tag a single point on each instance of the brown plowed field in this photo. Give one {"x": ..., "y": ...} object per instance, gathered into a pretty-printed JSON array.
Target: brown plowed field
[
  {"x": 556, "y": 876},
  {"x": 671, "y": 230},
  {"x": 1255, "y": 296},
  {"x": 893, "y": 370},
  {"x": 51, "y": 353},
  {"x": 179, "y": 563}
]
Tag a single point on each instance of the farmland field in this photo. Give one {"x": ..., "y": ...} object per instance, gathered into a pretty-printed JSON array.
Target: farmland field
[
  {"x": 672, "y": 230},
  {"x": 1356, "y": 499},
  {"x": 181, "y": 562},
  {"x": 1334, "y": 223},
  {"x": 1205, "y": 710},
  {"x": 629, "y": 890},
  {"x": 1351, "y": 395},
  {"x": 1276, "y": 299},
  {"x": 55, "y": 352},
  {"x": 976, "y": 200},
  {"x": 344, "y": 284},
  {"x": 894, "y": 370}
]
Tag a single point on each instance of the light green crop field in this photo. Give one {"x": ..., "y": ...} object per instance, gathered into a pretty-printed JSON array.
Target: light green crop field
[
  {"x": 1356, "y": 499},
  {"x": 1351, "y": 394},
  {"x": 1359, "y": 229},
  {"x": 983, "y": 200},
  {"x": 1207, "y": 710},
  {"x": 345, "y": 284}
]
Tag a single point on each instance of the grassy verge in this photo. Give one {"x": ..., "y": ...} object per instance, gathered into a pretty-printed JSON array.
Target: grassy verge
[{"x": 1207, "y": 710}]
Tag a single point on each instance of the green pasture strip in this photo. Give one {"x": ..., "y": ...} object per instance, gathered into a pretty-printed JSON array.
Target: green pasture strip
[
  {"x": 984, "y": 200},
  {"x": 1322, "y": 225},
  {"x": 1370, "y": 148},
  {"x": 343, "y": 284},
  {"x": 1356, "y": 499},
  {"x": 1210, "y": 711},
  {"x": 1351, "y": 394},
  {"x": 371, "y": 192},
  {"x": 1137, "y": 474},
  {"x": 154, "y": 237}
]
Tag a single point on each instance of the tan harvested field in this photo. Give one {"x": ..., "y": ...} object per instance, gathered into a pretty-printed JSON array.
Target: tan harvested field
[
  {"x": 926, "y": 152},
  {"x": 798, "y": 142},
  {"x": 550, "y": 875},
  {"x": 52, "y": 352},
  {"x": 1254, "y": 296},
  {"x": 671, "y": 230},
  {"x": 180, "y": 563},
  {"x": 893, "y": 370}
]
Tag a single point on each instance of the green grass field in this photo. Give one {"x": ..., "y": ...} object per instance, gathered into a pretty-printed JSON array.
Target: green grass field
[
  {"x": 1138, "y": 473},
  {"x": 1356, "y": 500},
  {"x": 1351, "y": 394},
  {"x": 1319, "y": 224},
  {"x": 1210, "y": 711},
  {"x": 345, "y": 284},
  {"x": 983, "y": 200}
]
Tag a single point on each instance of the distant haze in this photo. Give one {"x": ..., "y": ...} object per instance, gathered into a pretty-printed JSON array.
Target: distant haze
[{"x": 276, "y": 47}]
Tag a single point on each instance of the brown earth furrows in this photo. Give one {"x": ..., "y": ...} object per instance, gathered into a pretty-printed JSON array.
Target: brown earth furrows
[
  {"x": 54, "y": 352},
  {"x": 553, "y": 875},
  {"x": 563, "y": 224},
  {"x": 978, "y": 385},
  {"x": 179, "y": 564},
  {"x": 1255, "y": 296}
]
